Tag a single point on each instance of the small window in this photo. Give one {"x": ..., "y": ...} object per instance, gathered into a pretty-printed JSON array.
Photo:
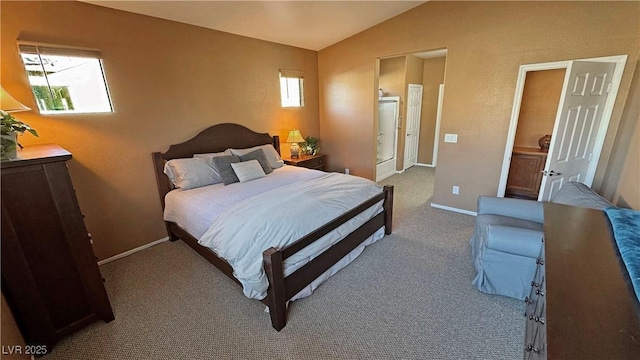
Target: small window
[
  {"x": 291, "y": 88},
  {"x": 66, "y": 80}
]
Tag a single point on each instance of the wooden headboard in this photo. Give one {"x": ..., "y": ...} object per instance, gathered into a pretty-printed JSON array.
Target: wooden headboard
[{"x": 217, "y": 138}]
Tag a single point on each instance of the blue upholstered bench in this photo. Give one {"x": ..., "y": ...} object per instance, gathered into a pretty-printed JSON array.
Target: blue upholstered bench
[{"x": 507, "y": 238}]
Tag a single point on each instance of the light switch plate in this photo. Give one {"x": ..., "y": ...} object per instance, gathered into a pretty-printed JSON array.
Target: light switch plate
[{"x": 451, "y": 138}]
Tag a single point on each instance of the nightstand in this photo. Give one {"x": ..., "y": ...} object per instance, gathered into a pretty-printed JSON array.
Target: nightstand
[{"x": 317, "y": 162}]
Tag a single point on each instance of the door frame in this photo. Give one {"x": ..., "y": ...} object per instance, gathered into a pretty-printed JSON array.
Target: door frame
[
  {"x": 396, "y": 133},
  {"x": 436, "y": 135},
  {"x": 619, "y": 60}
]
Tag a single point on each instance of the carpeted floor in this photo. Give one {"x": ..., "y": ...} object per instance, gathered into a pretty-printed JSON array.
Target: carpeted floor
[{"x": 408, "y": 296}]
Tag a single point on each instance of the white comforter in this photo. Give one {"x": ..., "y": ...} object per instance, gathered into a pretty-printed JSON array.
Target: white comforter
[
  {"x": 195, "y": 209},
  {"x": 279, "y": 217}
]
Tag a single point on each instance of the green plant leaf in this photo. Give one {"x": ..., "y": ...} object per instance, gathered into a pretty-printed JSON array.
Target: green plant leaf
[{"x": 8, "y": 125}]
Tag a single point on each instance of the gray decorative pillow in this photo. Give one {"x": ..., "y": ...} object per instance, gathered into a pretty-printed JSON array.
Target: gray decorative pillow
[
  {"x": 222, "y": 166},
  {"x": 189, "y": 173},
  {"x": 274, "y": 159},
  {"x": 262, "y": 159},
  {"x": 209, "y": 156},
  {"x": 248, "y": 170}
]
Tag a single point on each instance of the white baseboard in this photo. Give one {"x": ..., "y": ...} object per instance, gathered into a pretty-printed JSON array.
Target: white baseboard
[
  {"x": 132, "y": 251},
  {"x": 449, "y": 208},
  {"x": 425, "y": 165}
]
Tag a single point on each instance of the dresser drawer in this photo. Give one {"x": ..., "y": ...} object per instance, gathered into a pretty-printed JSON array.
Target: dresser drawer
[
  {"x": 317, "y": 162},
  {"x": 536, "y": 342}
]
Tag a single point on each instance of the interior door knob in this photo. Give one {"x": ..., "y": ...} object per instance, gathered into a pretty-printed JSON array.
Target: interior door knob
[{"x": 550, "y": 173}]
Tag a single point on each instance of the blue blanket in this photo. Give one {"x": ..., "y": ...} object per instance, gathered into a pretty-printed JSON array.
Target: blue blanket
[{"x": 626, "y": 230}]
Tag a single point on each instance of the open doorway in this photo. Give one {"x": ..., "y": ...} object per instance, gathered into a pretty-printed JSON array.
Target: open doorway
[
  {"x": 537, "y": 116},
  {"x": 587, "y": 96},
  {"x": 417, "y": 81}
]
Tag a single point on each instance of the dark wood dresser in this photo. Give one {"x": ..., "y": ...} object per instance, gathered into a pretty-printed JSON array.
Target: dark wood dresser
[
  {"x": 50, "y": 276},
  {"x": 582, "y": 304},
  {"x": 525, "y": 173}
]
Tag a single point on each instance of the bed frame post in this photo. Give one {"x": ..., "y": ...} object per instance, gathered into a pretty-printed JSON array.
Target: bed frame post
[
  {"x": 388, "y": 209},
  {"x": 273, "y": 266},
  {"x": 276, "y": 143}
]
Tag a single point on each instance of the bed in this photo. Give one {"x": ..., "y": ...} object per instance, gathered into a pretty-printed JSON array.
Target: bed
[{"x": 284, "y": 282}]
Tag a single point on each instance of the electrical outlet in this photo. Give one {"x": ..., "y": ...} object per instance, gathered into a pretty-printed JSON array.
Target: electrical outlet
[
  {"x": 346, "y": 171},
  {"x": 451, "y": 138},
  {"x": 455, "y": 190}
]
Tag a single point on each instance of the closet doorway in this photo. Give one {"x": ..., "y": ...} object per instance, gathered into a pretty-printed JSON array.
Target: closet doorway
[
  {"x": 540, "y": 98},
  {"x": 416, "y": 141},
  {"x": 582, "y": 116}
]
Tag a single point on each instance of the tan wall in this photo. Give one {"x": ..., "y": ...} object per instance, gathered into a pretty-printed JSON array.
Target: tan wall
[
  {"x": 622, "y": 183},
  {"x": 433, "y": 76},
  {"x": 168, "y": 81},
  {"x": 392, "y": 76},
  {"x": 414, "y": 70},
  {"x": 486, "y": 42},
  {"x": 540, "y": 100}
]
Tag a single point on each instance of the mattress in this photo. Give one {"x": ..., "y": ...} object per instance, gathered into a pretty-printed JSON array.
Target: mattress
[{"x": 194, "y": 210}]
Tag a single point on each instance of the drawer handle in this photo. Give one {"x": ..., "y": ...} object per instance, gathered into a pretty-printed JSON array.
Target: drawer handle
[
  {"x": 538, "y": 292},
  {"x": 539, "y": 262},
  {"x": 535, "y": 284},
  {"x": 537, "y": 319},
  {"x": 530, "y": 348}
]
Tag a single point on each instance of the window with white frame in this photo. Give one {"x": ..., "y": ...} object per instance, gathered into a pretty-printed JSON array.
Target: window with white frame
[
  {"x": 291, "y": 88},
  {"x": 66, "y": 80}
]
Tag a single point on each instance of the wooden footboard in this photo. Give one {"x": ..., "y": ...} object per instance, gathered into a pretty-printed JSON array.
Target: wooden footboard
[{"x": 282, "y": 288}]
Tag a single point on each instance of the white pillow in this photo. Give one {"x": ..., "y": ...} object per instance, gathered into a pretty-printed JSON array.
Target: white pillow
[
  {"x": 248, "y": 170},
  {"x": 212, "y": 155},
  {"x": 190, "y": 173},
  {"x": 273, "y": 158}
]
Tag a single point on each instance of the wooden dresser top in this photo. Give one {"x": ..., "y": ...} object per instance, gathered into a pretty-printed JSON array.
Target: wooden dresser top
[
  {"x": 592, "y": 310},
  {"x": 37, "y": 154}
]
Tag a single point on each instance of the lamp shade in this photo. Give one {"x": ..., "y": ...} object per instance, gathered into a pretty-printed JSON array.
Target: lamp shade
[
  {"x": 9, "y": 104},
  {"x": 295, "y": 136}
]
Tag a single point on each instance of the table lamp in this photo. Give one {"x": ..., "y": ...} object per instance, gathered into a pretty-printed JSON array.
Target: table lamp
[
  {"x": 9, "y": 104},
  {"x": 294, "y": 138}
]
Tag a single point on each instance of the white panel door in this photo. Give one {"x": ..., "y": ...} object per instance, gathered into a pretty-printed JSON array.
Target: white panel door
[
  {"x": 577, "y": 124},
  {"x": 414, "y": 109}
]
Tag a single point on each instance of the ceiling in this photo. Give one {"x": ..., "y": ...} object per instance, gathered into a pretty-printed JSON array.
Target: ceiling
[{"x": 310, "y": 25}]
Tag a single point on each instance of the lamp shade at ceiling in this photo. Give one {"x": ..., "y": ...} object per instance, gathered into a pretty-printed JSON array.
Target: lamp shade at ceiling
[
  {"x": 295, "y": 136},
  {"x": 9, "y": 104}
]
